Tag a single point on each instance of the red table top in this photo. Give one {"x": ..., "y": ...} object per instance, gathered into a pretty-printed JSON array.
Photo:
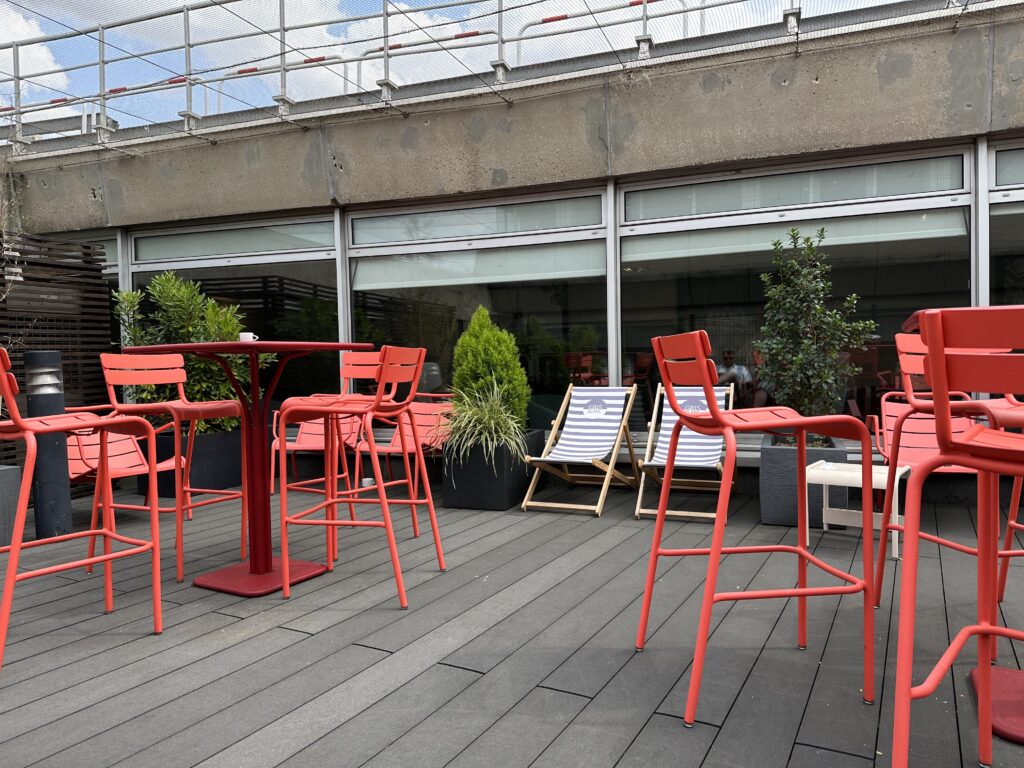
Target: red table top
[{"x": 247, "y": 347}]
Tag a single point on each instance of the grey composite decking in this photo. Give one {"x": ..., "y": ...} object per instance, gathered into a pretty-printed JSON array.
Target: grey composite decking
[{"x": 520, "y": 655}]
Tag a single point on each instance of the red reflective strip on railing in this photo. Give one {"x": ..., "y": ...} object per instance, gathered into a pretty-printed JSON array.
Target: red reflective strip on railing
[
  {"x": 641, "y": 2},
  {"x": 61, "y": 100},
  {"x": 313, "y": 59},
  {"x": 247, "y": 70},
  {"x": 176, "y": 80},
  {"x": 474, "y": 33},
  {"x": 549, "y": 19},
  {"x": 119, "y": 89},
  {"x": 394, "y": 45},
  {"x": 6, "y": 109}
]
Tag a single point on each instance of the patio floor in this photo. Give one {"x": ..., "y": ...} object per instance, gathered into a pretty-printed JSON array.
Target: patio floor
[{"x": 521, "y": 654}]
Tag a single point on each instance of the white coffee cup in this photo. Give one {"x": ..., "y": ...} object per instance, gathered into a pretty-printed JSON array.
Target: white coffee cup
[{"x": 248, "y": 337}]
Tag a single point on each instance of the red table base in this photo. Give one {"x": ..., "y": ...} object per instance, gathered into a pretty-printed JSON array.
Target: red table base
[
  {"x": 237, "y": 580},
  {"x": 1007, "y": 703}
]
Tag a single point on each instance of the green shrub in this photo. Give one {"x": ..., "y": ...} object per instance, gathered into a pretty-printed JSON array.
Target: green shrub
[
  {"x": 175, "y": 311},
  {"x": 804, "y": 343},
  {"x": 486, "y": 355}
]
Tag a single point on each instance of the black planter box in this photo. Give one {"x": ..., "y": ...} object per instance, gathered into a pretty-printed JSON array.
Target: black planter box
[
  {"x": 475, "y": 484},
  {"x": 216, "y": 462},
  {"x": 10, "y": 487},
  {"x": 778, "y": 483}
]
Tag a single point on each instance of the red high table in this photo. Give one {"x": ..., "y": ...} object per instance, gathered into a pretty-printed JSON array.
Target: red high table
[{"x": 261, "y": 575}]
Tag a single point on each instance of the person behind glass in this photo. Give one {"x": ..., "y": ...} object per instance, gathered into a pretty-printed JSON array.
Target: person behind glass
[
  {"x": 730, "y": 372},
  {"x": 763, "y": 390}
]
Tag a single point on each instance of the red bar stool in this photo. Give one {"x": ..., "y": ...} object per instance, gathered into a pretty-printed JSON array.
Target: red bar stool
[
  {"x": 955, "y": 361},
  {"x": 395, "y": 367},
  {"x": 26, "y": 429},
  {"x": 169, "y": 370},
  {"x": 909, "y": 439},
  {"x": 684, "y": 360}
]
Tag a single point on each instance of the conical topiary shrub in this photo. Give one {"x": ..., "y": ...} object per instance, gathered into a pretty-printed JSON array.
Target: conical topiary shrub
[{"x": 486, "y": 355}]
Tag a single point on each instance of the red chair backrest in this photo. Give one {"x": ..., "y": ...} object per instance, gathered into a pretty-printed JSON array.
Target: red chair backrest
[
  {"x": 971, "y": 349},
  {"x": 359, "y": 366},
  {"x": 685, "y": 361},
  {"x": 918, "y": 440},
  {"x": 140, "y": 370},
  {"x": 398, "y": 366},
  {"x": 123, "y": 453},
  {"x": 9, "y": 389}
]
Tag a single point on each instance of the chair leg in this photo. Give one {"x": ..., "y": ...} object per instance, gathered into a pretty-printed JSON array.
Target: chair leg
[
  {"x": 108, "y": 526},
  {"x": 94, "y": 521},
  {"x": 1004, "y": 565},
  {"x": 714, "y": 560},
  {"x": 987, "y": 510},
  {"x": 891, "y": 489},
  {"x": 905, "y": 641},
  {"x": 659, "y": 528},
  {"x": 273, "y": 467},
  {"x": 17, "y": 536},
  {"x": 190, "y": 448},
  {"x": 410, "y": 480},
  {"x": 421, "y": 473},
  {"x": 154, "y": 534},
  {"x": 179, "y": 507},
  {"x": 282, "y": 457},
  {"x": 385, "y": 513},
  {"x": 802, "y": 536},
  {"x": 330, "y": 490}
]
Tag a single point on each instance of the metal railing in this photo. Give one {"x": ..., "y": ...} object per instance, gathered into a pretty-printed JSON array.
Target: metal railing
[{"x": 258, "y": 55}]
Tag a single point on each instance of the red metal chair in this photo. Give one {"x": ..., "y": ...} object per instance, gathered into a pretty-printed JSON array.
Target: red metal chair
[
  {"x": 309, "y": 438},
  {"x": 394, "y": 368},
  {"x": 27, "y": 430},
  {"x": 684, "y": 360},
  {"x": 906, "y": 437},
  {"x": 124, "y": 458},
  {"x": 957, "y": 361},
  {"x": 429, "y": 413},
  {"x": 169, "y": 370}
]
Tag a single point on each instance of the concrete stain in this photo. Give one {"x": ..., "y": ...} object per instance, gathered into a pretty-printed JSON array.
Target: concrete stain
[
  {"x": 253, "y": 154},
  {"x": 969, "y": 75},
  {"x": 782, "y": 76},
  {"x": 410, "y": 138},
  {"x": 499, "y": 177},
  {"x": 477, "y": 129},
  {"x": 596, "y": 127},
  {"x": 893, "y": 67},
  {"x": 712, "y": 82}
]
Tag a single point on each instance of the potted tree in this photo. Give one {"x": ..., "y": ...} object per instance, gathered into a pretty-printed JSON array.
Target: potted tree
[
  {"x": 174, "y": 311},
  {"x": 805, "y": 348},
  {"x": 487, "y": 437}
]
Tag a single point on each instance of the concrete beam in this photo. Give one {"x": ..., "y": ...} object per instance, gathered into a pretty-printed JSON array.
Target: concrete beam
[{"x": 888, "y": 86}]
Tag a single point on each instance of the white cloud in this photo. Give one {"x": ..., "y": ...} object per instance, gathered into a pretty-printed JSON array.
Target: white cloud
[{"x": 32, "y": 58}]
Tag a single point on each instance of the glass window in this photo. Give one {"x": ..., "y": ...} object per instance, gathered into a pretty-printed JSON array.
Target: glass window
[
  {"x": 1009, "y": 167},
  {"x": 860, "y": 182},
  {"x": 222, "y": 242},
  {"x": 1007, "y": 253},
  {"x": 897, "y": 263},
  {"x": 551, "y": 297},
  {"x": 295, "y": 301},
  {"x": 478, "y": 222}
]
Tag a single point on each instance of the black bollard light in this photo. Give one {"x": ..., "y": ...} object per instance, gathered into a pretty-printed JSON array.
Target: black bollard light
[{"x": 51, "y": 489}]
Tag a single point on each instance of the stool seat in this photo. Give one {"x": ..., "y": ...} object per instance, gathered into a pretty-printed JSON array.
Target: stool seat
[
  {"x": 185, "y": 410},
  {"x": 990, "y": 443}
]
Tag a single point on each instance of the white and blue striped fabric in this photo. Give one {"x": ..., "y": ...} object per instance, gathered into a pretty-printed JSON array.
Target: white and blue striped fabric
[
  {"x": 591, "y": 425},
  {"x": 695, "y": 449}
]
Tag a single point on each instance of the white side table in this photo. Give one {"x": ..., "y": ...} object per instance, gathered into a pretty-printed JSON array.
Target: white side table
[{"x": 826, "y": 473}]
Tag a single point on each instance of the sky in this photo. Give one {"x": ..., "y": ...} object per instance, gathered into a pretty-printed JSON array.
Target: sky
[{"x": 350, "y": 34}]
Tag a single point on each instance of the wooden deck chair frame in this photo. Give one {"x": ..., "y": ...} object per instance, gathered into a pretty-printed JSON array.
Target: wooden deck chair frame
[
  {"x": 606, "y": 475},
  {"x": 678, "y": 483}
]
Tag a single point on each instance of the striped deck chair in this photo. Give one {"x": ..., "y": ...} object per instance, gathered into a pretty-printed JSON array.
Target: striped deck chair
[
  {"x": 589, "y": 430},
  {"x": 695, "y": 450}
]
